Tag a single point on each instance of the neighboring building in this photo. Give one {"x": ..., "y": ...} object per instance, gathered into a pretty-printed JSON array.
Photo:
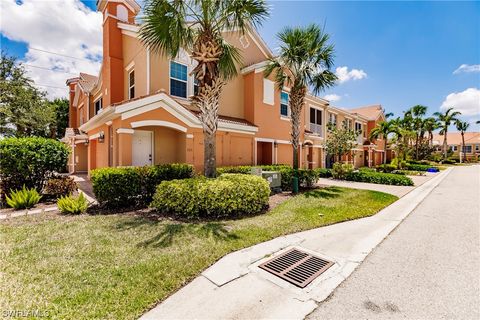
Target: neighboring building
[
  {"x": 137, "y": 111},
  {"x": 454, "y": 141}
]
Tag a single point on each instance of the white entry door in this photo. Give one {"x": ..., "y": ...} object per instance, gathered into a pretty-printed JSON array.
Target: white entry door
[{"x": 142, "y": 153}]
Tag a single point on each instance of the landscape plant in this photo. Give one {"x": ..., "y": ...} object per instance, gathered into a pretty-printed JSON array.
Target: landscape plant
[
  {"x": 198, "y": 27},
  {"x": 23, "y": 198},
  {"x": 445, "y": 119},
  {"x": 340, "y": 141},
  {"x": 72, "y": 205},
  {"x": 462, "y": 126},
  {"x": 59, "y": 186}
]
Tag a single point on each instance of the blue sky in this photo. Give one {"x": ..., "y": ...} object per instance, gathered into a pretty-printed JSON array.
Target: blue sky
[{"x": 407, "y": 51}]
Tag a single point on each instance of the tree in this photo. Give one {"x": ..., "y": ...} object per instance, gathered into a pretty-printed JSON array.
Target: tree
[
  {"x": 304, "y": 61},
  {"x": 382, "y": 130},
  {"x": 445, "y": 120},
  {"x": 340, "y": 141},
  {"x": 197, "y": 26},
  {"x": 24, "y": 110},
  {"x": 417, "y": 113},
  {"x": 430, "y": 125},
  {"x": 60, "y": 107},
  {"x": 462, "y": 126}
]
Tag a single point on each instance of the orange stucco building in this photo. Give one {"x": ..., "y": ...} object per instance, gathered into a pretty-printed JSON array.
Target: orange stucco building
[{"x": 137, "y": 110}]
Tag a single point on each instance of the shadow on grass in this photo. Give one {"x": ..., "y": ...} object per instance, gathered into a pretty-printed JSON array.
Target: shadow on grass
[
  {"x": 169, "y": 230},
  {"x": 326, "y": 193}
]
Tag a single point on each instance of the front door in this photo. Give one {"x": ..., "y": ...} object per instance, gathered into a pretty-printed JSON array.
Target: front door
[{"x": 142, "y": 148}]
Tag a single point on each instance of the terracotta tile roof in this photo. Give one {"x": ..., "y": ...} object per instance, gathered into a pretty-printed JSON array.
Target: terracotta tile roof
[
  {"x": 87, "y": 81},
  {"x": 455, "y": 138},
  {"x": 370, "y": 112}
]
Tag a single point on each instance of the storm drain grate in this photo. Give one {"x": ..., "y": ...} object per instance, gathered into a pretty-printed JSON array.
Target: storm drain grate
[{"x": 297, "y": 267}]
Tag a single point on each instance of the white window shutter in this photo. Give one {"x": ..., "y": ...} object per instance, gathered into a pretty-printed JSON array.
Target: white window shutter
[{"x": 268, "y": 92}]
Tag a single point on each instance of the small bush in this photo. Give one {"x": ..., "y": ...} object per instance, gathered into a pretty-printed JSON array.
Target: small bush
[
  {"x": 30, "y": 162},
  {"x": 59, "y": 186},
  {"x": 134, "y": 186},
  {"x": 448, "y": 161},
  {"x": 435, "y": 157},
  {"x": 379, "y": 178},
  {"x": 387, "y": 168},
  {"x": 367, "y": 169},
  {"x": 340, "y": 170},
  {"x": 399, "y": 164},
  {"x": 419, "y": 167},
  {"x": 323, "y": 172},
  {"x": 23, "y": 198},
  {"x": 72, "y": 205},
  {"x": 226, "y": 196}
]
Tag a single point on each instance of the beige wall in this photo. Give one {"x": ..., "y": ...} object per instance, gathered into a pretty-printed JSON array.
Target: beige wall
[{"x": 169, "y": 144}]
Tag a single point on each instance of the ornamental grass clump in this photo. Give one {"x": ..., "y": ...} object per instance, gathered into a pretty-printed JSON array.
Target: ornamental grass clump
[
  {"x": 72, "y": 205},
  {"x": 23, "y": 198}
]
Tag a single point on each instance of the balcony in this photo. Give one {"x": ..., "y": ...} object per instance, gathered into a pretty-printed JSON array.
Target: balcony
[
  {"x": 316, "y": 129},
  {"x": 360, "y": 139}
]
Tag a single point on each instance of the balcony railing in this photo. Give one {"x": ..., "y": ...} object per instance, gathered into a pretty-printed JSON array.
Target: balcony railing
[
  {"x": 316, "y": 129},
  {"x": 360, "y": 139}
]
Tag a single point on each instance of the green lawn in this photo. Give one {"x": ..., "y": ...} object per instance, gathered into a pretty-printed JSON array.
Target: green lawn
[{"x": 119, "y": 266}]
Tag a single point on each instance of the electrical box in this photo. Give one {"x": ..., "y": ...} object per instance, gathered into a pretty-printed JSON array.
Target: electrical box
[{"x": 274, "y": 178}]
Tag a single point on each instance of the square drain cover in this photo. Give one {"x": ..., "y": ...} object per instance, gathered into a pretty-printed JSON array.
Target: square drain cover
[{"x": 297, "y": 267}]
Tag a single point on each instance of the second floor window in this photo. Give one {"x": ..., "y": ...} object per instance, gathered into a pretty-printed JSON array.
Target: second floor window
[
  {"x": 131, "y": 84},
  {"x": 178, "y": 79},
  {"x": 332, "y": 118},
  {"x": 284, "y": 104},
  {"x": 358, "y": 127},
  {"x": 98, "y": 106},
  {"x": 316, "y": 121}
]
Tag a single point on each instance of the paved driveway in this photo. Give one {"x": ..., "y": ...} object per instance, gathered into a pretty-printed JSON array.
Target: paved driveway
[{"x": 428, "y": 268}]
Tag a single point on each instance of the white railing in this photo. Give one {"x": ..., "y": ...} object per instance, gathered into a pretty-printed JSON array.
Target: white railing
[
  {"x": 317, "y": 129},
  {"x": 360, "y": 139}
]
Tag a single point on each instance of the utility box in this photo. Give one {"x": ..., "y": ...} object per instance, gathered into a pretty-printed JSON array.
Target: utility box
[{"x": 274, "y": 179}]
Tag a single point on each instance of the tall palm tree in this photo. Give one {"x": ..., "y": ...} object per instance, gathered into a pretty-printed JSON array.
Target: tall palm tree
[
  {"x": 198, "y": 26},
  {"x": 382, "y": 130},
  {"x": 430, "y": 125},
  {"x": 417, "y": 112},
  {"x": 445, "y": 120},
  {"x": 304, "y": 61},
  {"x": 462, "y": 126}
]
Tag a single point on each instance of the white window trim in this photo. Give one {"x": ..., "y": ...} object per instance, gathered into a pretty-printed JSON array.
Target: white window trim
[
  {"x": 101, "y": 105},
  {"x": 130, "y": 86}
]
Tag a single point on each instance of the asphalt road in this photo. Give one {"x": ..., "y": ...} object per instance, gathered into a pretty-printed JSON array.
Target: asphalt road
[{"x": 427, "y": 268}]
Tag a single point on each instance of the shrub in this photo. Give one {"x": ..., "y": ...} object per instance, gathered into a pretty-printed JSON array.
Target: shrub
[
  {"x": 135, "y": 186},
  {"x": 340, "y": 170},
  {"x": 72, "y": 205},
  {"x": 379, "y": 178},
  {"x": 367, "y": 169},
  {"x": 419, "y": 167},
  {"x": 30, "y": 161},
  {"x": 448, "y": 161},
  {"x": 59, "y": 186},
  {"x": 387, "y": 168},
  {"x": 23, "y": 198},
  {"x": 399, "y": 164},
  {"x": 226, "y": 196},
  {"x": 323, "y": 172},
  {"x": 436, "y": 157}
]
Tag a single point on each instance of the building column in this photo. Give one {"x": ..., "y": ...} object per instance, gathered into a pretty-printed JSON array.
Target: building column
[{"x": 125, "y": 146}]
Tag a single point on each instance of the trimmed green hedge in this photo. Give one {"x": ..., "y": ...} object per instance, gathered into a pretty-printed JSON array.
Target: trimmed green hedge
[
  {"x": 134, "y": 186},
  {"x": 306, "y": 177},
  {"x": 387, "y": 168},
  {"x": 419, "y": 167},
  {"x": 30, "y": 162},
  {"x": 379, "y": 178},
  {"x": 226, "y": 196}
]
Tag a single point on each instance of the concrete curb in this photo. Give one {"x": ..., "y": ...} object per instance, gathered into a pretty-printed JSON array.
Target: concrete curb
[{"x": 239, "y": 284}]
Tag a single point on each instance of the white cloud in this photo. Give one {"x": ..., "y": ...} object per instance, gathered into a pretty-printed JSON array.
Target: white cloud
[
  {"x": 344, "y": 75},
  {"x": 332, "y": 97},
  {"x": 467, "y": 68},
  {"x": 66, "y": 27},
  {"x": 467, "y": 102}
]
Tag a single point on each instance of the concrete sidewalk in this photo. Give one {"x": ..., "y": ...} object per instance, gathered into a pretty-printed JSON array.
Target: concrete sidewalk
[{"x": 235, "y": 288}]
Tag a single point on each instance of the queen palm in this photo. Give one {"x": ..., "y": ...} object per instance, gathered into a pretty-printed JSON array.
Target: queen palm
[
  {"x": 197, "y": 26},
  {"x": 382, "y": 130},
  {"x": 417, "y": 112},
  {"x": 445, "y": 120},
  {"x": 462, "y": 126},
  {"x": 304, "y": 61},
  {"x": 430, "y": 124}
]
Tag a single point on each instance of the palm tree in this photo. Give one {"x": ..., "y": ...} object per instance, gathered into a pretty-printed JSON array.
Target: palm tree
[
  {"x": 304, "y": 60},
  {"x": 382, "y": 130},
  {"x": 417, "y": 112},
  {"x": 462, "y": 126},
  {"x": 430, "y": 124},
  {"x": 445, "y": 120},
  {"x": 198, "y": 26}
]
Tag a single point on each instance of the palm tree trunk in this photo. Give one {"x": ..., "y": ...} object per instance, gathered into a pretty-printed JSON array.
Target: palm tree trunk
[
  {"x": 385, "y": 152},
  {"x": 445, "y": 146},
  {"x": 416, "y": 146},
  {"x": 463, "y": 148},
  {"x": 296, "y": 104},
  {"x": 207, "y": 101}
]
